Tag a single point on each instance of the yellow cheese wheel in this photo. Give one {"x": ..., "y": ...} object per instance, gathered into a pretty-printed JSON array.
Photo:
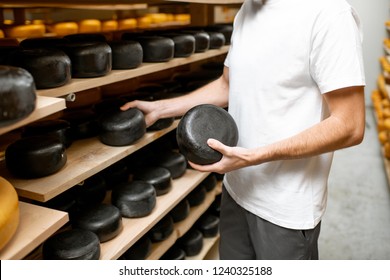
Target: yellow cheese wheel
[
  {"x": 144, "y": 21},
  {"x": 1, "y": 34},
  {"x": 127, "y": 23},
  {"x": 157, "y": 17},
  {"x": 26, "y": 31},
  {"x": 65, "y": 28},
  {"x": 109, "y": 25},
  {"x": 183, "y": 18},
  {"x": 9, "y": 212},
  {"x": 90, "y": 25}
]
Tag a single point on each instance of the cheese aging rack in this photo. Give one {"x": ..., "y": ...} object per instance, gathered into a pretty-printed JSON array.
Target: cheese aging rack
[{"x": 88, "y": 157}]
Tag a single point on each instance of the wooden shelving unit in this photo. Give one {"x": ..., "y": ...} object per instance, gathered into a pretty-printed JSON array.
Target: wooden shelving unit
[{"x": 89, "y": 156}]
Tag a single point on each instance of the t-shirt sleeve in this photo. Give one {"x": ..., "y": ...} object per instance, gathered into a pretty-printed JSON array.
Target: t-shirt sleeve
[{"x": 336, "y": 59}]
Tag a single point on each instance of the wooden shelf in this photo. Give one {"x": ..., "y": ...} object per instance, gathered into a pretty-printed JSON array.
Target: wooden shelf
[
  {"x": 133, "y": 229},
  {"x": 85, "y": 158},
  {"x": 36, "y": 225},
  {"x": 76, "y": 85},
  {"x": 45, "y": 106}
]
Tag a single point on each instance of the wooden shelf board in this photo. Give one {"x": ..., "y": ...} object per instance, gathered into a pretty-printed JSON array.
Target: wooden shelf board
[
  {"x": 76, "y": 85},
  {"x": 45, "y": 106},
  {"x": 84, "y": 158},
  {"x": 36, "y": 225},
  {"x": 135, "y": 228}
]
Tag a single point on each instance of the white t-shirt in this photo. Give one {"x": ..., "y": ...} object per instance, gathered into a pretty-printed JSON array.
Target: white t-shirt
[{"x": 284, "y": 55}]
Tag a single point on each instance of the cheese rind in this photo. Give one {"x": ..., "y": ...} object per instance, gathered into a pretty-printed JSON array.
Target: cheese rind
[{"x": 9, "y": 212}]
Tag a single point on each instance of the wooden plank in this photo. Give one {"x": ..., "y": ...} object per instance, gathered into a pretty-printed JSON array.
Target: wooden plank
[
  {"x": 133, "y": 229},
  {"x": 84, "y": 158},
  {"x": 45, "y": 106},
  {"x": 36, "y": 225},
  {"x": 76, "y": 85}
]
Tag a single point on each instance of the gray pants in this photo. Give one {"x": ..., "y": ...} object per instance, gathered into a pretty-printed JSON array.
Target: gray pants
[{"x": 245, "y": 236}]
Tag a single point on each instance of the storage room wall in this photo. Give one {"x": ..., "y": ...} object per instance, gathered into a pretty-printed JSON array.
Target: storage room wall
[{"x": 373, "y": 15}]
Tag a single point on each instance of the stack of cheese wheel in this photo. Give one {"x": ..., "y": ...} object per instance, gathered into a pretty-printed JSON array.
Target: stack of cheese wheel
[
  {"x": 9, "y": 212},
  {"x": 24, "y": 31},
  {"x": 65, "y": 28}
]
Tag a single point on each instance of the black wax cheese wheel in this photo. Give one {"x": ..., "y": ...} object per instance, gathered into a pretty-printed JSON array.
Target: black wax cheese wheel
[
  {"x": 174, "y": 161},
  {"x": 162, "y": 230},
  {"x": 184, "y": 43},
  {"x": 17, "y": 94},
  {"x": 126, "y": 54},
  {"x": 197, "y": 196},
  {"x": 91, "y": 191},
  {"x": 35, "y": 156},
  {"x": 210, "y": 182},
  {"x": 225, "y": 29},
  {"x": 217, "y": 39},
  {"x": 202, "y": 39},
  {"x": 180, "y": 211},
  {"x": 56, "y": 127},
  {"x": 174, "y": 253},
  {"x": 215, "y": 207},
  {"x": 191, "y": 242},
  {"x": 89, "y": 59},
  {"x": 104, "y": 220},
  {"x": 159, "y": 177},
  {"x": 140, "y": 250},
  {"x": 198, "y": 125},
  {"x": 74, "y": 244},
  {"x": 50, "y": 68},
  {"x": 121, "y": 128},
  {"x": 208, "y": 224},
  {"x": 155, "y": 48},
  {"x": 134, "y": 199}
]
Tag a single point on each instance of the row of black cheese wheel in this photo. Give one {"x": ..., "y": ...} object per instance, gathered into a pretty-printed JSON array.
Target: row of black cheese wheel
[
  {"x": 103, "y": 222},
  {"x": 42, "y": 149},
  {"x": 129, "y": 199},
  {"x": 54, "y": 61},
  {"x": 191, "y": 243}
]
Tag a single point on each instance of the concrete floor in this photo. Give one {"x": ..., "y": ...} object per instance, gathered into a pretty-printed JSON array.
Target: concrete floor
[{"x": 356, "y": 225}]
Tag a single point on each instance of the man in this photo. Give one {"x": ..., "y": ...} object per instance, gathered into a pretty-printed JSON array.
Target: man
[{"x": 294, "y": 83}]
